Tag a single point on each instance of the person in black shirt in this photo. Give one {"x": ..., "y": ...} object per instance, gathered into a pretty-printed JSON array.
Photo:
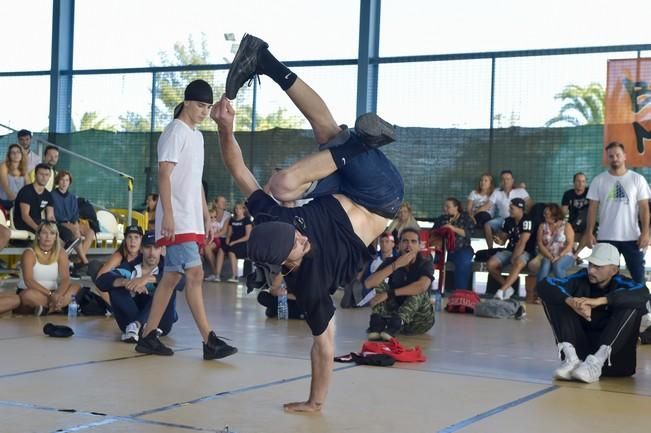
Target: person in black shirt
[
  {"x": 595, "y": 315},
  {"x": 323, "y": 244},
  {"x": 239, "y": 230},
  {"x": 521, "y": 248},
  {"x": 575, "y": 204},
  {"x": 32, "y": 200},
  {"x": 402, "y": 304}
]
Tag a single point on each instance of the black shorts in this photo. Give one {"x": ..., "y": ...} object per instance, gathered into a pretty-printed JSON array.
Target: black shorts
[
  {"x": 66, "y": 235},
  {"x": 238, "y": 249},
  {"x": 482, "y": 218}
]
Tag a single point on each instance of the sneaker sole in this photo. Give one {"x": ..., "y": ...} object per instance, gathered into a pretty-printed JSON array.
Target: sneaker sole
[
  {"x": 233, "y": 351},
  {"x": 374, "y": 130},
  {"x": 151, "y": 352},
  {"x": 248, "y": 47}
]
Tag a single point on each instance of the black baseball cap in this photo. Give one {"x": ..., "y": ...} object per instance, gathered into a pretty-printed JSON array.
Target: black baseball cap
[
  {"x": 268, "y": 247},
  {"x": 518, "y": 202},
  {"x": 148, "y": 239},
  {"x": 133, "y": 229}
]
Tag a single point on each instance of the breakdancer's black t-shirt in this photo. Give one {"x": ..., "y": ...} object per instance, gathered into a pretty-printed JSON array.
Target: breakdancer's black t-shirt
[{"x": 336, "y": 256}]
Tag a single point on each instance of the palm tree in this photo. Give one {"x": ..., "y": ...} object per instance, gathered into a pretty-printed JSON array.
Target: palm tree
[{"x": 583, "y": 105}]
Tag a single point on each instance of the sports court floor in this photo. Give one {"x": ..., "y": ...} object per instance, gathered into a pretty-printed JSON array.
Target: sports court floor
[{"x": 482, "y": 375}]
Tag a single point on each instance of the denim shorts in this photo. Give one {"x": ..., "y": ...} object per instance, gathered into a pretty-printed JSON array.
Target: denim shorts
[
  {"x": 496, "y": 223},
  {"x": 369, "y": 179},
  {"x": 505, "y": 257},
  {"x": 179, "y": 257}
]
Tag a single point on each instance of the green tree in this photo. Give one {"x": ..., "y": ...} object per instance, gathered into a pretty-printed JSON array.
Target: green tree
[
  {"x": 583, "y": 105},
  {"x": 134, "y": 122},
  {"x": 91, "y": 120}
]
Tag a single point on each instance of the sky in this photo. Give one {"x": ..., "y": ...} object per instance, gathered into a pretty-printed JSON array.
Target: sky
[{"x": 128, "y": 33}]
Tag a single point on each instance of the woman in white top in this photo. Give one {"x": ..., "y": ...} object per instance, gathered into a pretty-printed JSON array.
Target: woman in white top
[
  {"x": 479, "y": 206},
  {"x": 45, "y": 278},
  {"x": 555, "y": 241},
  {"x": 13, "y": 175},
  {"x": 215, "y": 251}
]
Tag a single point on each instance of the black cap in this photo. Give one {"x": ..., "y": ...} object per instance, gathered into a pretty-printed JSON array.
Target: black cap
[
  {"x": 148, "y": 239},
  {"x": 268, "y": 247},
  {"x": 518, "y": 202},
  {"x": 133, "y": 229},
  {"x": 199, "y": 90}
]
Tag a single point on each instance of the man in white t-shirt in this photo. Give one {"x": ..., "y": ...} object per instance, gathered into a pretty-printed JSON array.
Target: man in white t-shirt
[
  {"x": 621, "y": 197},
  {"x": 183, "y": 221},
  {"x": 501, "y": 199}
]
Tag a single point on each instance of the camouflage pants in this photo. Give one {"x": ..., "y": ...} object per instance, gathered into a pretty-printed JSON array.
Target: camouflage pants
[{"x": 416, "y": 312}]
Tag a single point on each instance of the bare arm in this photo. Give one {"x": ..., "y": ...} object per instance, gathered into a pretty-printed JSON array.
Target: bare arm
[
  {"x": 4, "y": 182},
  {"x": 49, "y": 214},
  {"x": 588, "y": 236},
  {"x": 569, "y": 240},
  {"x": 165, "y": 169},
  {"x": 541, "y": 246},
  {"x": 27, "y": 219},
  {"x": 224, "y": 115},
  {"x": 644, "y": 222},
  {"x": 112, "y": 263}
]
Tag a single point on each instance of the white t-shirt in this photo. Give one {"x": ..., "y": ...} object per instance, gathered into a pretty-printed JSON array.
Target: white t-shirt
[
  {"x": 183, "y": 146},
  {"x": 478, "y": 200},
  {"x": 618, "y": 209},
  {"x": 502, "y": 200}
]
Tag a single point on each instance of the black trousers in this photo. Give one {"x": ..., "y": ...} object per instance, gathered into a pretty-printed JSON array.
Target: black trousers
[
  {"x": 127, "y": 309},
  {"x": 614, "y": 327}
]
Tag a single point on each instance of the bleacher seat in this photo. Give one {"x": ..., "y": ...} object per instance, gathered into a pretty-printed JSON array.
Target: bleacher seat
[
  {"x": 23, "y": 235},
  {"x": 111, "y": 231}
]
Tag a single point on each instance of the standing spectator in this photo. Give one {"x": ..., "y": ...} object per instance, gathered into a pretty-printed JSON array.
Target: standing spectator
[
  {"x": 51, "y": 158},
  {"x": 13, "y": 175},
  {"x": 239, "y": 230},
  {"x": 555, "y": 240},
  {"x": 460, "y": 251},
  {"x": 150, "y": 210},
  {"x": 575, "y": 204},
  {"x": 45, "y": 279},
  {"x": 405, "y": 219},
  {"x": 33, "y": 200},
  {"x": 479, "y": 206},
  {"x": 501, "y": 198},
  {"x": 66, "y": 212},
  {"x": 25, "y": 141},
  {"x": 520, "y": 249},
  {"x": 621, "y": 197}
]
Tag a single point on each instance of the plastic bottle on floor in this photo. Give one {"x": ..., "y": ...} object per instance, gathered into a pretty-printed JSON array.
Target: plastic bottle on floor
[
  {"x": 438, "y": 301},
  {"x": 73, "y": 307},
  {"x": 283, "y": 309}
]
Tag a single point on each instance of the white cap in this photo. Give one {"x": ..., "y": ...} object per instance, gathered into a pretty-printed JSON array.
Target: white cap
[{"x": 604, "y": 254}]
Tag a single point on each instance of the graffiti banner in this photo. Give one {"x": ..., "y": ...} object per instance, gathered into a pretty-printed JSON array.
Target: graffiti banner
[{"x": 628, "y": 109}]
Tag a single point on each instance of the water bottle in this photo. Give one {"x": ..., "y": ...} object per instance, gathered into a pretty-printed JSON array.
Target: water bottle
[
  {"x": 438, "y": 301},
  {"x": 283, "y": 309},
  {"x": 73, "y": 307}
]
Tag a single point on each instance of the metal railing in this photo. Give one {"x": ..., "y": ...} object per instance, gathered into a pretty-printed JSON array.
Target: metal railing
[{"x": 130, "y": 179}]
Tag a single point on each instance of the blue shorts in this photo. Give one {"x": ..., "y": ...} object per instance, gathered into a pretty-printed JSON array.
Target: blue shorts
[
  {"x": 179, "y": 257},
  {"x": 504, "y": 257},
  {"x": 496, "y": 223},
  {"x": 369, "y": 179}
]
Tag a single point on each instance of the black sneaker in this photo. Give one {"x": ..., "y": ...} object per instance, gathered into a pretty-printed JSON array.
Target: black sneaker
[
  {"x": 152, "y": 345},
  {"x": 217, "y": 348},
  {"x": 243, "y": 67},
  {"x": 394, "y": 324},
  {"x": 374, "y": 131}
]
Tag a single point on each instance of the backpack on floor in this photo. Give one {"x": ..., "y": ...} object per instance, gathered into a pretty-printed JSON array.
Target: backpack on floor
[
  {"x": 90, "y": 304},
  {"x": 497, "y": 308},
  {"x": 462, "y": 301}
]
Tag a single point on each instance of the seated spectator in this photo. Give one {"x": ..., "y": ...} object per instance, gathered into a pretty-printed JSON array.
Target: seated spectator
[
  {"x": 460, "y": 251},
  {"x": 575, "y": 203},
  {"x": 239, "y": 230},
  {"x": 214, "y": 252},
  {"x": 25, "y": 141},
  {"x": 501, "y": 198},
  {"x": 555, "y": 240},
  {"x": 387, "y": 249},
  {"x": 13, "y": 175},
  {"x": 33, "y": 200},
  {"x": 66, "y": 213},
  {"x": 402, "y": 305},
  {"x": 44, "y": 282},
  {"x": 150, "y": 210},
  {"x": 405, "y": 219},
  {"x": 131, "y": 289},
  {"x": 479, "y": 206},
  {"x": 595, "y": 315},
  {"x": 9, "y": 302},
  {"x": 50, "y": 158},
  {"x": 520, "y": 249}
]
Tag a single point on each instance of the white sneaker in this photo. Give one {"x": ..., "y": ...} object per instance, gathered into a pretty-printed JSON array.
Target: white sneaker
[
  {"x": 210, "y": 277},
  {"x": 645, "y": 322},
  {"x": 571, "y": 361},
  {"x": 508, "y": 293},
  {"x": 589, "y": 371},
  {"x": 233, "y": 280},
  {"x": 499, "y": 295},
  {"x": 131, "y": 333}
]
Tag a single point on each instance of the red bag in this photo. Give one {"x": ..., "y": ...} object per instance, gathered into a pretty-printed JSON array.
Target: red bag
[
  {"x": 394, "y": 349},
  {"x": 462, "y": 301}
]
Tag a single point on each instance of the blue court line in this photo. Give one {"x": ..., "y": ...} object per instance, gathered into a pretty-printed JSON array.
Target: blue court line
[{"x": 465, "y": 423}]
